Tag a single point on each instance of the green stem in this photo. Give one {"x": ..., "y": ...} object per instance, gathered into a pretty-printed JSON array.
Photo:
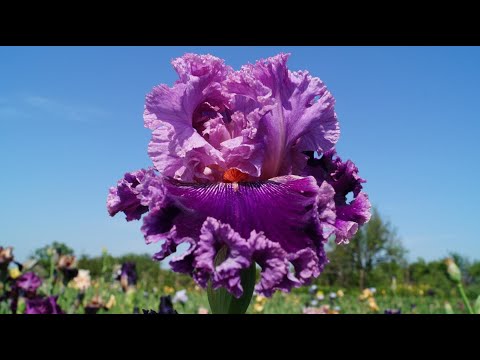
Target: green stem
[
  {"x": 221, "y": 301},
  {"x": 52, "y": 268},
  {"x": 464, "y": 297}
]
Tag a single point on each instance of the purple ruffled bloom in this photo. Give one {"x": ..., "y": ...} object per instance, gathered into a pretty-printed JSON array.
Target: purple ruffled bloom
[
  {"x": 234, "y": 168},
  {"x": 28, "y": 283},
  {"x": 47, "y": 305}
]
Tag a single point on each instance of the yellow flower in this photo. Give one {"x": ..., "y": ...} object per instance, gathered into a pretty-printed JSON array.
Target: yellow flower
[
  {"x": 111, "y": 302},
  {"x": 384, "y": 292},
  {"x": 420, "y": 292},
  {"x": 372, "y": 304},
  {"x": 14, "y": 273},
  {"x": 258, "y": 307},
  {"x": 366, "y": 294},
  {"x": 340, "y": 293},
  {"x": 260, "y": 299},
  {"x": 168, "y": 290}
]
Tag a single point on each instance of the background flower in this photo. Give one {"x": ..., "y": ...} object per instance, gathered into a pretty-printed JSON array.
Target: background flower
[
  {"x": 82, "y": 281},
  {"x": 46, "y": 305}
]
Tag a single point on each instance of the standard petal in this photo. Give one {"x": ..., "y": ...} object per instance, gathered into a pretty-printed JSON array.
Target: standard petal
[
  {"x": 301, "y": 112},
  {"x": 184, "y": 154},
  {"x": 177, "y": 116},
  {"x": 200, "y": 80}
]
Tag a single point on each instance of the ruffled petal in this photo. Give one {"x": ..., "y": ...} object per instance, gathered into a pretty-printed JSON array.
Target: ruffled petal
[
  {"x": 344, "y": 179},
  {"x": 200, "y": 80},
  {"x": 300, "y": 112},
  {"x": 125, "y": 196},
  {"x": 351, "y": 216},
  {"x": 272, "y": 259},
  {"x": 215, "y": 237},
  {"x": 307, "y": 265},
  {"x": 177, "y": 116},
  {"x": 184, "y": 262},
  {"x": 184, "y": 155}
]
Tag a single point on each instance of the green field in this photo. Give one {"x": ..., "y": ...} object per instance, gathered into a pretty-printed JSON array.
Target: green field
[{"x": 417, "y": 302}]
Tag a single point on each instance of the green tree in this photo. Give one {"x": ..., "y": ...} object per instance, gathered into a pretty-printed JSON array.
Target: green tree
[
  {"x": 43, "y": 257},
  {"x": 375, "y": 246}
]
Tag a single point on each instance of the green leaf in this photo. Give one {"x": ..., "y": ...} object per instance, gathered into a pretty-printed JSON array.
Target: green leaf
[{"x": 221, "y": 301}]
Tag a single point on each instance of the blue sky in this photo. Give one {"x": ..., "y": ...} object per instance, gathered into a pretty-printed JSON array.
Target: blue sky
[{"x": 71, "y": 125}]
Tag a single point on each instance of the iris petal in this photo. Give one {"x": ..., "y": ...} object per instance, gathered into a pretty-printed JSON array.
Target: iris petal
[{"x": 344, "y": 179}]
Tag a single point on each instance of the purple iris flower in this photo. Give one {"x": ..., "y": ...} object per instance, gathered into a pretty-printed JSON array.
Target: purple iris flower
[
  {"x": 244, "y": 162},
  {"x": 28, "y": 284},
  {"x": 46, "y": 305}
]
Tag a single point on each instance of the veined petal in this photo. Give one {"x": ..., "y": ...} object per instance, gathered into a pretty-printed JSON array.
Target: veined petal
[{"x": 284, "y": 208}]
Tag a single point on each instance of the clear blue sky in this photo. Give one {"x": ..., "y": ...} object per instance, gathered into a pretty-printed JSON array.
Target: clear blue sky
[{"x": 71, "y": 125}]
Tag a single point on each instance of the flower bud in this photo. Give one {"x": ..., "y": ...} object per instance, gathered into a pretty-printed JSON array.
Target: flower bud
[{"x": 453, "y": 271}]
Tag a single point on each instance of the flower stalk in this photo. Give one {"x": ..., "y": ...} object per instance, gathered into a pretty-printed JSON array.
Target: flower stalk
[
  {"x": 221, "y": 301},
  {"x": 464, "y": 298}
]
